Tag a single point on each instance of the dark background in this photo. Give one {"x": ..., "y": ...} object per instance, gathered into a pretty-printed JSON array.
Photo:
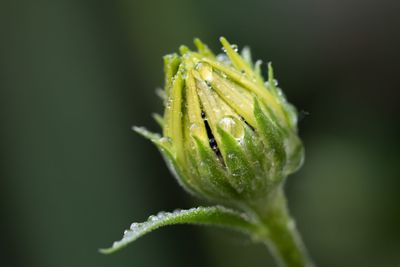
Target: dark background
[{"x": 76, "y": 75}]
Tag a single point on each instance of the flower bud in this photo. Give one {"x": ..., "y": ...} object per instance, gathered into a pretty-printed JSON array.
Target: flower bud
[{"x": 227, "y": 135}]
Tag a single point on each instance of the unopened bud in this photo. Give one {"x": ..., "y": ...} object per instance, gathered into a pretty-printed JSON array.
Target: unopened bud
[{"x": 228, "y": 135}]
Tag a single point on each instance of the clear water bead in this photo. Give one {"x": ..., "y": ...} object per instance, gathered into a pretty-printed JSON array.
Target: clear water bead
[
  {"x": 232, "y": 126},
  {"x": 152, "y": 218},
  {"x": 193, "y": 128},
  {"x": 176, "y": 211},
  {"x": 134, "y": 226},
  {"x": 161, "y": 215},
  {"x": 205, "y": 71},
  {"x": 233, "y": 46},
  {"x": 275, "y": 83},
  {"x": 231, "y": 156},
  {"x": 224, "y": 59},
  {"x": 165, "y": 140}
]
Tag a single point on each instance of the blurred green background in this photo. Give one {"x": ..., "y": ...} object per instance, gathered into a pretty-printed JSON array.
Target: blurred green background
[{"x": 76, "y": 75}]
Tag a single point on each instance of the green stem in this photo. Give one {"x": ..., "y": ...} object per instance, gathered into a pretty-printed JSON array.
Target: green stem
[{"x": 282, "y": 237}]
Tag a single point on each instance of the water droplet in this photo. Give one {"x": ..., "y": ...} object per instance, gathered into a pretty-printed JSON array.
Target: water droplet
[
  {"x": 232, "y": 126},
  {"x": 165, "y": 139},
  {"x": 206, "y": 71},
  {"x": 275, "y": 83},
  {"x": 223, "y": 59},
  {"x": 161, "y": 215},
  {"x": 168, "y": 103},
  {"x": 176, "y": 211},
  {"x": 152, "y": 218},
  {"x": 193, "y": 127},
  {"x": 233, "y": 46},
  {"x": 280, "y": 93},
  {"x": 231, "y": 156},
  {"x": 134, "y": 226}
]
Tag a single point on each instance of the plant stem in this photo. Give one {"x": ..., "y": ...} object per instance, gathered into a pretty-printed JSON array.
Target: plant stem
[{"x": 282, "y": 237}]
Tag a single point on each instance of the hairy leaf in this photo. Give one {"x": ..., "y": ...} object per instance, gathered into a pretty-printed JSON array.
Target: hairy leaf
[{"x": 216, "y": 215}]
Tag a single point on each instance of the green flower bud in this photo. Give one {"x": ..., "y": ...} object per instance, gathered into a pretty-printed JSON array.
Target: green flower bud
[{"x": 227, "y": 135}]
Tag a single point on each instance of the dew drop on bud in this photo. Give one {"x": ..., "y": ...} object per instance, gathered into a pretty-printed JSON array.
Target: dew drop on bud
[
  {"x": 224, "y": 59},
  {"x": 206, "y": 72},
  {"x": 193, "y": 127},
  {"x": 233, "y": 46},
  {"x": 134, "y": 226},
  {"x": 275, "y": 83},
  {"x": 161, "y": 215},
  {"x": 152, "y": 218},
  {"x": 232, "y": 126},
  {"x": 166, "y": 140}
]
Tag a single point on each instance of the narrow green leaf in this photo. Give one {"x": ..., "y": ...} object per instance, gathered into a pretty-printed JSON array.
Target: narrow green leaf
[
  {"x": 154, "y": 137},
  {"x": 203, "y": 48},
  {"x": 246, "y": 55},
  {"x": 270, "y": 132},
  {"x": 255, "y": 151},
  {"x": 212, "y": 169},
  {"x": 162, "y": 95},
  {"x": 237, "y": 61},
  {"x": 164, "y": 146},
  {"x": 257, "y": 69},
  {"x": 183, "y": 49},
  {"x": 159, "y": 119},
  {"x": 171, "y": 64},
  {"x": 235, "y": 159},
  {"x": 216, "y": 215}
]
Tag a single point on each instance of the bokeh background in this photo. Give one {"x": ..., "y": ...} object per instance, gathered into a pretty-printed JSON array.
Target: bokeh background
[{"x": 76, "y": 75}]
